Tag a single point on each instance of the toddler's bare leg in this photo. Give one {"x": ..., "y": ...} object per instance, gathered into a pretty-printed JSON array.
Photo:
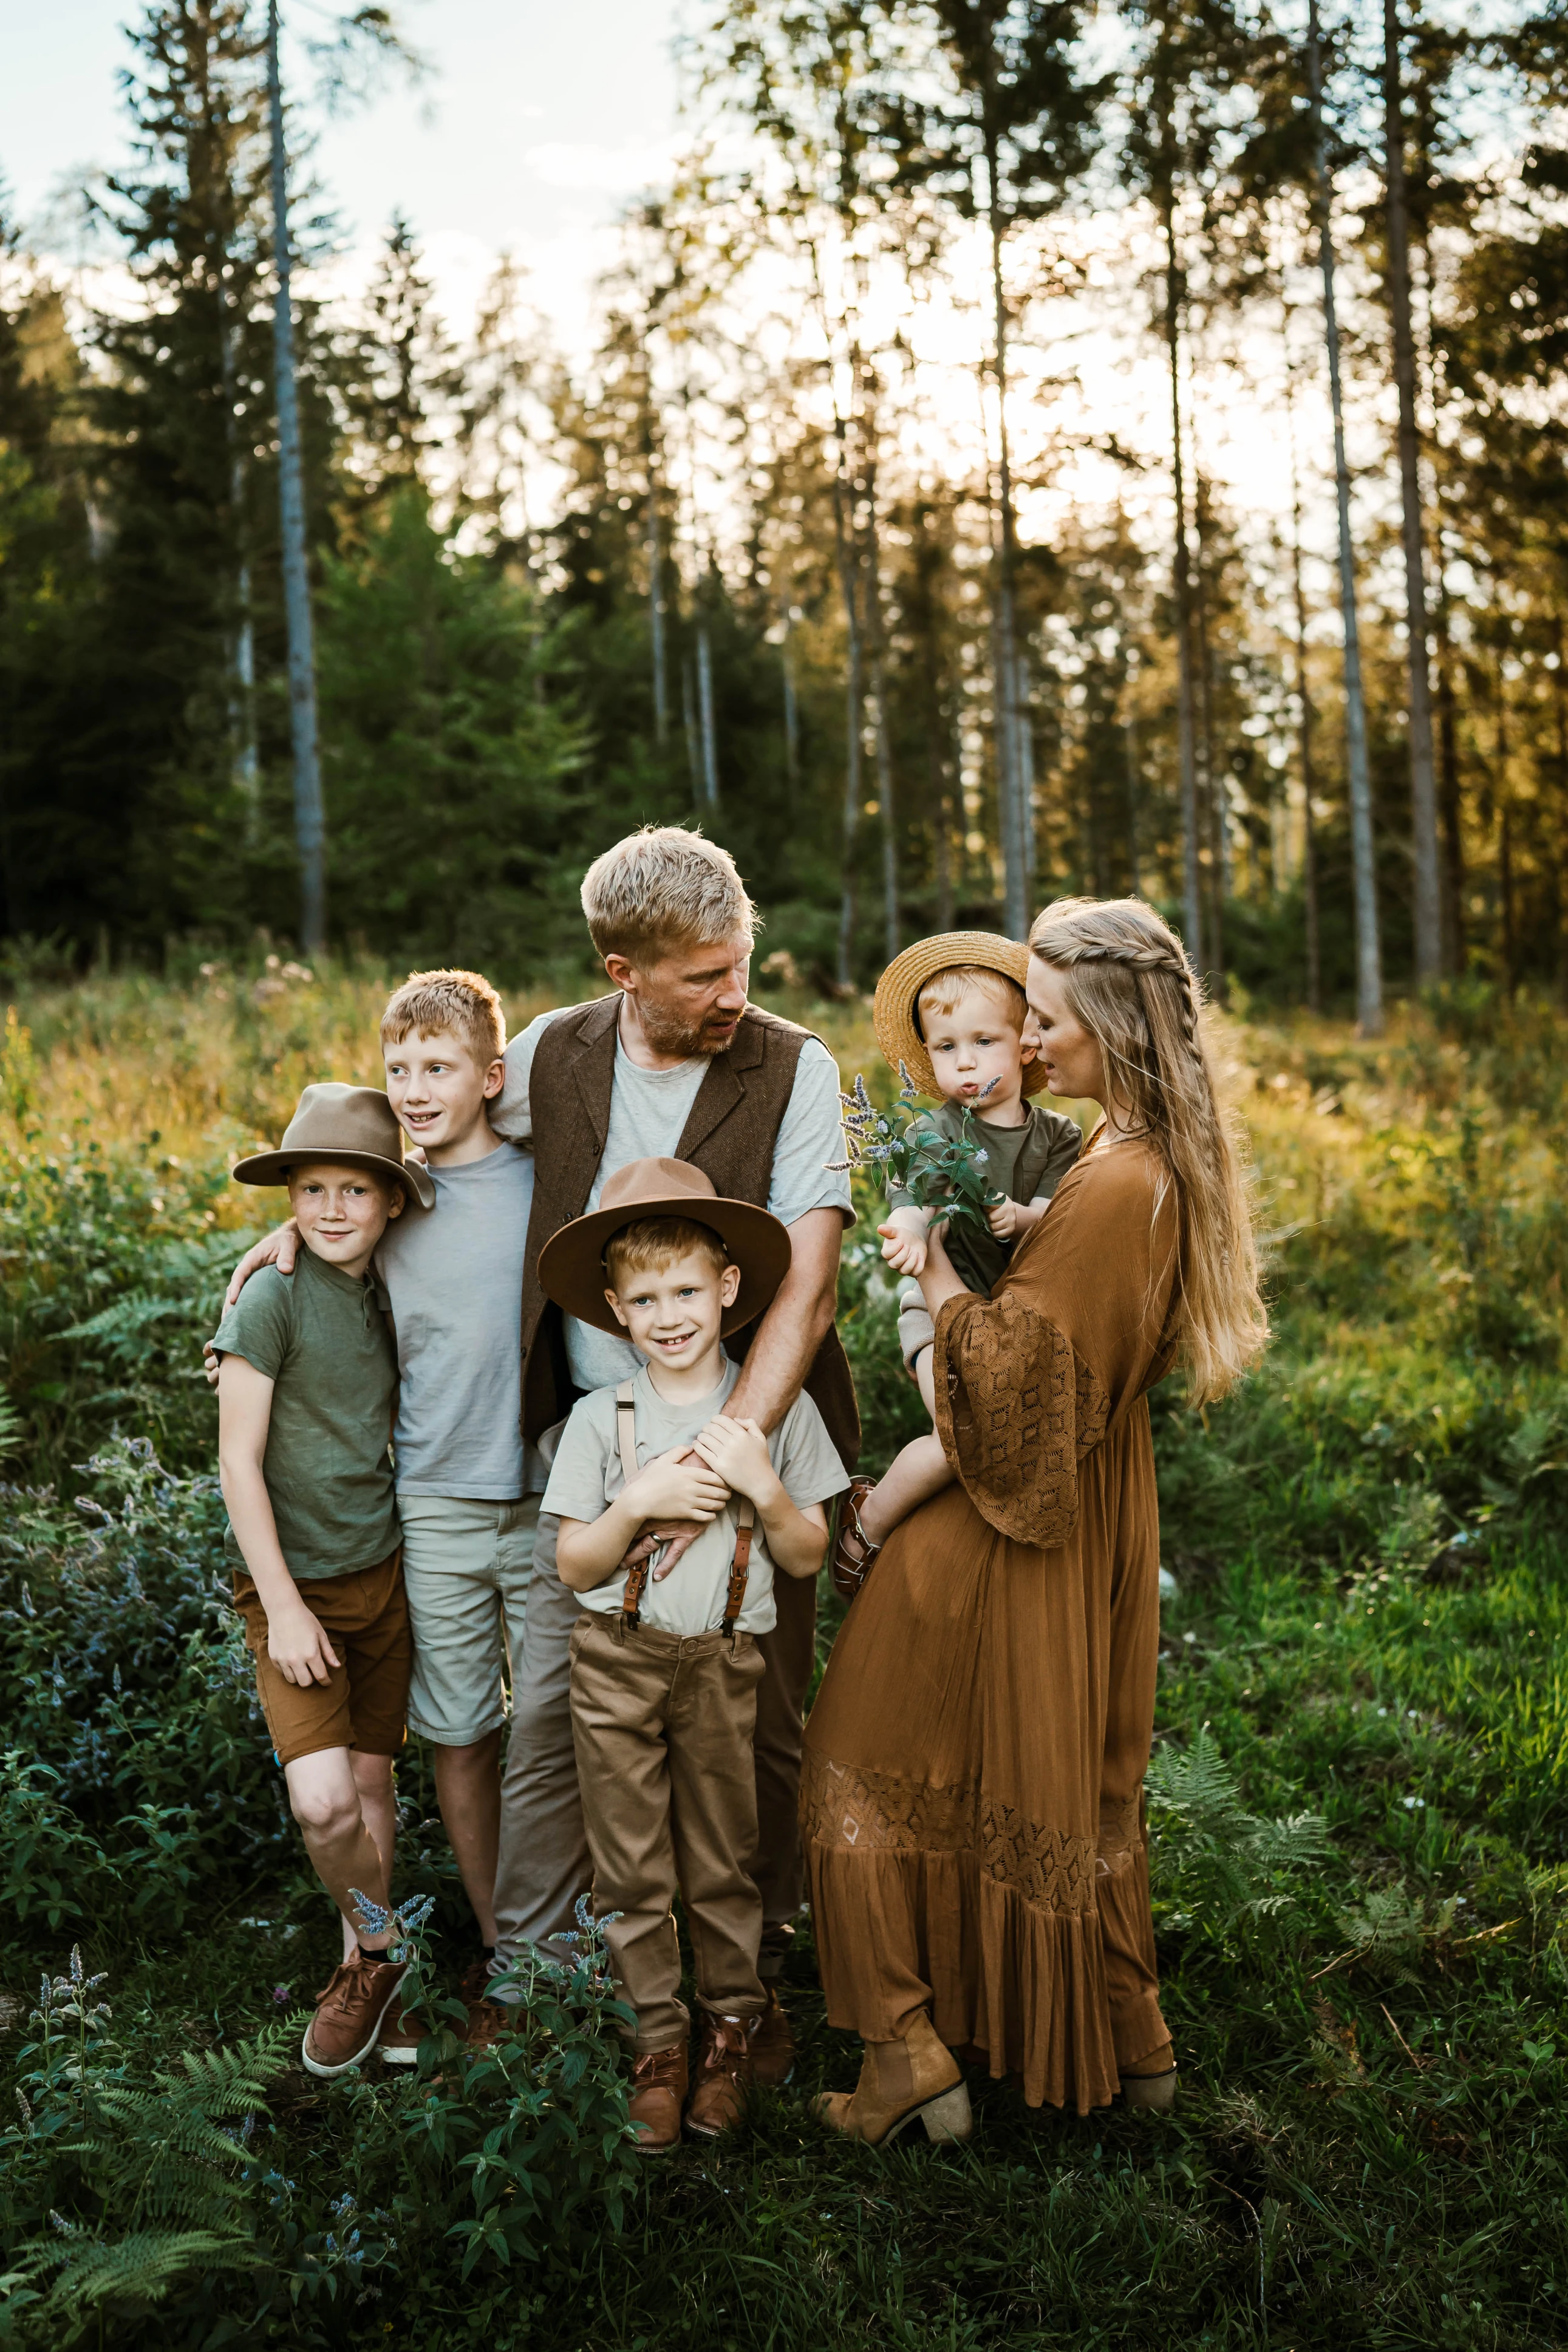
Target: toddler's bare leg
[
  {"x": 912, "y": 1477},
  {"x": 925, "y": 1378}
]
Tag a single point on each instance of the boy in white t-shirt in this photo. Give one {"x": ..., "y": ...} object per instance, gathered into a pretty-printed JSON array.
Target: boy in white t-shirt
[{"x": 665, "y": 1666}]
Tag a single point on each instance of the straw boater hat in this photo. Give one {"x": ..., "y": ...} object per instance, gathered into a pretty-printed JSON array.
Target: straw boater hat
[
  {"x": 896, "y": 1010},
  {"x": 572, "y": 1263},
  {"x": 351, "y": 1127}
]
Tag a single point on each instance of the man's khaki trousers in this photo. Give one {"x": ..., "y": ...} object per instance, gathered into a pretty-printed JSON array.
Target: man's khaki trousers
[
  {"x": 544, "y": 1850},
  {"x": 663, "y": 1725}
]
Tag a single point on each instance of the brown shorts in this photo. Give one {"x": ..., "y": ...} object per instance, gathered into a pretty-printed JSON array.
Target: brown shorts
[{"x": 364, "y": 1705}]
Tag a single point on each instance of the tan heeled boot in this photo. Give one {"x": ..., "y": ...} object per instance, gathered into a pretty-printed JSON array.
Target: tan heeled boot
[{"x": 899, "y": 2081}]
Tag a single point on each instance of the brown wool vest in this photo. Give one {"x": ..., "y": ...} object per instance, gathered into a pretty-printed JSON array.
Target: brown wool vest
[{"x": 731, "y": 1135}]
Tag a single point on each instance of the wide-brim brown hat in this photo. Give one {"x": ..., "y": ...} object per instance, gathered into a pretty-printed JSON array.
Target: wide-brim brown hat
[
  {"x": 572, "y": 1263},
  {"x": 896, "y": 1012},
  {"x": 353, "y": 1127}
]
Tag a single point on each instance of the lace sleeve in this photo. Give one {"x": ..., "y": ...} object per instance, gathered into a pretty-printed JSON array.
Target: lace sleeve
[{"x": 1016, "y": 1410}]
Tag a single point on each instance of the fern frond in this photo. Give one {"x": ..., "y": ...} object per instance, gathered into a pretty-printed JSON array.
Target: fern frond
[{"x": 140, "y": 2268}]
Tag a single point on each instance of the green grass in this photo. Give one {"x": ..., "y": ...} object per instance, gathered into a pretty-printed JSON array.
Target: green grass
[{"x": 1370, "y": 2148}]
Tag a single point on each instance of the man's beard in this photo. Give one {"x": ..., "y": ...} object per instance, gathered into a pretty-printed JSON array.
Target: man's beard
[{"x": 667, "y": 1034}]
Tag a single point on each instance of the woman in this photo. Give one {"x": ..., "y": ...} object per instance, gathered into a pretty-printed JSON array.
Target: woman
[{"x": 972, "y": 1796}]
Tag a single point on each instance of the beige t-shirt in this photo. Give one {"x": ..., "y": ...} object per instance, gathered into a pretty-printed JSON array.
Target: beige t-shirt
[{"x": 586, "y": 1478}]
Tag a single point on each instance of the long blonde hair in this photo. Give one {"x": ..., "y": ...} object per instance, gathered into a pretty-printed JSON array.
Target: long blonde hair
[{"x": 1130, "y": 983}]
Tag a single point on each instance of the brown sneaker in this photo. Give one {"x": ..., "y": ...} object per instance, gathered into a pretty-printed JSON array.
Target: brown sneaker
[
  {"x": 723, "y": 2075},
  {"x": 773, "y": 2045},
  {"x": 350, "y": 2014},
  {"x": 658, "y": 2093},
  {"x": 487, "y": 2019}
]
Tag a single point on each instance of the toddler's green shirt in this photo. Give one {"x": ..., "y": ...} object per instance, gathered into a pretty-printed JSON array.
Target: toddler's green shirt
[
  {"x": 1025, "y": 1162},
  {"x": 320, "y": 1336}
]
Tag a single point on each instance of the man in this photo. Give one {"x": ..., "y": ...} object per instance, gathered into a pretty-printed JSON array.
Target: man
[{"x": 673, "y": 1064}]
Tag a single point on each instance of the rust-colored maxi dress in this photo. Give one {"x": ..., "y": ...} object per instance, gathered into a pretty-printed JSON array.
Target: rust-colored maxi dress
[{"x": 972, "y": 1789}]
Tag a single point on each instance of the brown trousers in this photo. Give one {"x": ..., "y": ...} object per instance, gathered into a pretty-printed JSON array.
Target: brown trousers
[
  {"x": 543, "y": 1858},
  {"x": 663, "y": 1725}
]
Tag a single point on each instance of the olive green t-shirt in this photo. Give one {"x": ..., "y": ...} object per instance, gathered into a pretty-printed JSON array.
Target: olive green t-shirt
[
  {"x": 320, "y": 1337},
  {"x": 1025, "y": 1162}
]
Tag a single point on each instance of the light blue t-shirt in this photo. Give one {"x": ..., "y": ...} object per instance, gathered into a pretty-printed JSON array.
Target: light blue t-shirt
[
  {"x": 454, "y": 1279},
  {"x": 648, "y": 1111}
]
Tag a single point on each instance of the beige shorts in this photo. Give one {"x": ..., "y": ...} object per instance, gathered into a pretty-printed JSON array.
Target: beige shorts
[{"x": 466, "y": 1568}]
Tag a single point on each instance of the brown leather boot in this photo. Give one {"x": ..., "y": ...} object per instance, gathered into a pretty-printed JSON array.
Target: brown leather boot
[
  {"x": 899, "y": 2081},
  {"x": 658, "y": 2093},
  {"x": 773, "y": 2045},
  {"x": 723, "y": 2075}
]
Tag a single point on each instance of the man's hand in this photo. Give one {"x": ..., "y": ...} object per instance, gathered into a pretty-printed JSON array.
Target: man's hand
[
  {"x": 279, "y": 1249},
  {"x": 297, "y": 1645},
  {"x": 674, "y": 1537},
  {"x": 738, "y": 1451}
]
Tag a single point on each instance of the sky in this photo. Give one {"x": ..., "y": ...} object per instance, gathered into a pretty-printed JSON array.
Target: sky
[{"x": 537, "y": 121}]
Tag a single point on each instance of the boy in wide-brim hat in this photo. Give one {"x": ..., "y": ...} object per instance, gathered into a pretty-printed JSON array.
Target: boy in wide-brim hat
[
  {"x": 307, "y": 1382},
  {"x": 665, "y": 1666}
]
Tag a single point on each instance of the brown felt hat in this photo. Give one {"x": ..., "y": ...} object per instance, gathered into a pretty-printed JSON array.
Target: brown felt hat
[
  {"x": 896, "y": 1012},
  {"x": 353, "y": 1127},
  {"x": 572, "y": 1263}
]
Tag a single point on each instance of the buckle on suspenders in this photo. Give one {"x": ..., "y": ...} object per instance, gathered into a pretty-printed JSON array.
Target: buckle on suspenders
[{"x": 637, "y": 1578}]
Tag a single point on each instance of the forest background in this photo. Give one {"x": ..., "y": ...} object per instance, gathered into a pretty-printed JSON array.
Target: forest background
[{"x": 829, "y": 544}]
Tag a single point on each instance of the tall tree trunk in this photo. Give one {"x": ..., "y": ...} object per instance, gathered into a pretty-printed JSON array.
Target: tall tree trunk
[
  {"x": 854, "y": 699},
  {"x": 309, "y": 825},
  {"x": 1014, "y": 826},
  {"x": 877, "y": 646},
  {"x": 1304, "y": 704},
  {"x": 944, "y": 852},
  {"x": 1503, "y": 801},
  {"x": 242, "y": 638},
  {"x": 705, "y": 714},
  {"x": 693, "y": 738},
  {"x": 1211, "y": 801},
  {"x": 791, "y": 709},
  {"x": 654, "y": 543},
  {"x": 1191, "y": 895},
  {"x": 1422, "y": 784},
  {"x": 1130, "y": 730},
  {"x": 1369, "y": 957}
]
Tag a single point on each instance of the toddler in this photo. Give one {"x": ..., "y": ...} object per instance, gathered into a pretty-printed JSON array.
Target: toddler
[{"x": 953, "y": 1012}]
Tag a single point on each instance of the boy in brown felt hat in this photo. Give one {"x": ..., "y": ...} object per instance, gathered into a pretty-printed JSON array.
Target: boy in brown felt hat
[
  {"x": 665, "y": 1666},
  {"x": 952, "y": 1012},
  {"x": 307, "y": 1384}
]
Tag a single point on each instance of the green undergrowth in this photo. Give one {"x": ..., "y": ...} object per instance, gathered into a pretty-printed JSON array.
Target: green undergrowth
[{"x": 1359, "y": 1804}]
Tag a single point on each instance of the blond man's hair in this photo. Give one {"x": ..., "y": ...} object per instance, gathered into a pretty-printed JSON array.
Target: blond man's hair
[
  {"x": 1127, "y": 979},
  {"x": 462, "y": 1004},
  {"x": 663, "y": 889},
  {"x": 945, "y": 991},
  {"x": 653, "y": 1243}
]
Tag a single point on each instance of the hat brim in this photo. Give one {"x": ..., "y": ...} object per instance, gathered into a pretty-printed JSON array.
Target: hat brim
[
  {"x": 894, "y": 1013},
  {"x": 572, "y": 1263},
  {"x": 273, "y": 1168}
]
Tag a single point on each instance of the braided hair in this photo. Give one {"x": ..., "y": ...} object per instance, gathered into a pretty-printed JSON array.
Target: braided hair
[{"x": 1127, "y": 980}]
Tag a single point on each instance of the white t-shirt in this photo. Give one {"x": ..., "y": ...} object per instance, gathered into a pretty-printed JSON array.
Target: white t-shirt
[
  {"x": 586, "y": 1477},
  {"x": 648, "y": 1111}
]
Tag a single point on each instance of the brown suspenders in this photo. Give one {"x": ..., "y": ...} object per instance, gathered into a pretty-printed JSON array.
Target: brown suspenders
[{"x": 637, "y": 1578}]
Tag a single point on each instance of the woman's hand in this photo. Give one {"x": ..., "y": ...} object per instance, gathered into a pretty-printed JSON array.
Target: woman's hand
[
  {"x": 738, "y": 1451},
  {"x": 297, "y": 1646},
  {"x": 679, "y": 1484}
]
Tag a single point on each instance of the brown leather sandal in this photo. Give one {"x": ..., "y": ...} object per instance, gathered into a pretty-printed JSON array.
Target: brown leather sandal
[{"x": 847, "y": 1571}]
